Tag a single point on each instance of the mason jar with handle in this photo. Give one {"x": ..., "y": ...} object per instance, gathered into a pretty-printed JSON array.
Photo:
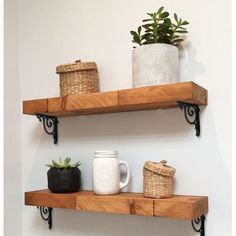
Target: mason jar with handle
[{"x": 106, "y": 173}]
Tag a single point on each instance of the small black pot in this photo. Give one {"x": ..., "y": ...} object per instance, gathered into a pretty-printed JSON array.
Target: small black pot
[{"x": 64, "y": 180}]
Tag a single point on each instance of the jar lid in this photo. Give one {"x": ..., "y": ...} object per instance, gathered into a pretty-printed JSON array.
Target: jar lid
[
  {"x": 106, "y": 153},
  {"x": 76, "y": 66},
  {"x": 160, "y": 168}
]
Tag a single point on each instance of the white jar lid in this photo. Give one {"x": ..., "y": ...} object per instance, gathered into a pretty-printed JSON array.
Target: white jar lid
[
  {"x": 111, "y": 152},
  {"x": 106, "y": 152}
]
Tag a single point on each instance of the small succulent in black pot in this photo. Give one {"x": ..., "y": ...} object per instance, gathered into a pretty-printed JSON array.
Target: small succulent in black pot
[{"x": 64, "y": 177}]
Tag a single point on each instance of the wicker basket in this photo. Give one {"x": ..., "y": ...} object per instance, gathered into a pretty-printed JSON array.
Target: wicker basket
[
  {"x": 79, "y": 77},
  {"x": 157, "y": 179}
]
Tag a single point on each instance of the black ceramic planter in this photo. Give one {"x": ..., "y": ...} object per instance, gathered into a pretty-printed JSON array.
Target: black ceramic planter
[{"x": 64, "y": 180}]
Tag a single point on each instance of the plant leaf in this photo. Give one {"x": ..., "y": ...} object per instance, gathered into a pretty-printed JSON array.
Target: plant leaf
[
  {"x": 147, "y": 25},
  {"x": 176, "y": 17},
  {"x": 167, "y": 21},
  {"x": 175, "y": 36},
  {"x": 181, "y": 31},
  {"x": 160, "y": 10},
  {"x": 139, "y": 29},
  {"x": 164, "y": 15},
  {"x": 133, "y": 33},
  {"x": 180, "y": 27},
  {"x": 150, "y": 14},
  {"x": 50, "y": 165},
  {"x": 177, "y": 40},
  {"x": 147, "y": 20},
  {"x": 185, "y": 23},
  {"x": 66, "y": 162},
  {"x": 145, "y": 35},
  {"x": 77, "y": 164},
  {"x": 55, "y": 164}
]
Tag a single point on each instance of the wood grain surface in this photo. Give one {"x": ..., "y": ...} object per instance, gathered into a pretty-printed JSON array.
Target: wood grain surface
[
  {"x": 178, "y": 206},
  {"x": 135, "y": 99}
]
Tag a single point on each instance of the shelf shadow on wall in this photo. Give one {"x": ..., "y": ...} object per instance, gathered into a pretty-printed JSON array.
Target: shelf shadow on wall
[
  {"x": 91, "y": 223},
  {"x": 158, "y": 123}
]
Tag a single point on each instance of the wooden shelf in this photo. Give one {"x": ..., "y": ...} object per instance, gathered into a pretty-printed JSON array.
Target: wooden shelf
[
  {"x": 178, "y": 206},
  {"x": 187, "y": 95},
  {"x": 145, "y": 98}
]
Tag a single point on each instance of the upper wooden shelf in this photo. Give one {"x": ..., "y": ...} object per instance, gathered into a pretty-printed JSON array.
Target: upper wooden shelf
[
  {"x": 145, "y": 98},
  {"x": 179, "y": 207}
]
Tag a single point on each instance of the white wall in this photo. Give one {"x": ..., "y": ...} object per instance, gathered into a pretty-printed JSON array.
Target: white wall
[
  {"x": 55, "y": 32},
  {"x": 13, "y": 192}
]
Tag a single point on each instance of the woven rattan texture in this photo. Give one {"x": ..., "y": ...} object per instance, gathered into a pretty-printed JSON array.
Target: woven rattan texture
[
  {"x": 157, "y": 180},
  {"x": 78, "y": 82}
]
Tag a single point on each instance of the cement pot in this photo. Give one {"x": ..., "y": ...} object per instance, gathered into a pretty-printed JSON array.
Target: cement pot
[
  {"x": 64, "y": 180},
  {"x": 155, "y": 64}
]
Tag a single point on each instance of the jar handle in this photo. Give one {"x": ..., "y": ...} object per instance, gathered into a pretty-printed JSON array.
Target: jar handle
[{"x": 122, "y": 185}]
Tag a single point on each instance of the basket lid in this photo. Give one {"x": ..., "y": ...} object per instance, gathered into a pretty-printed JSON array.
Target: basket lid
[
  {"x": 160, "y": 168},
  {"x": 76, "y": 66}
]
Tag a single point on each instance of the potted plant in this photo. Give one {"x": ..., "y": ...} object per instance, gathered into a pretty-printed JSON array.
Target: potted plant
[
  {"x": 156, "y": 60},
  {"x": 64, "y": 177}
]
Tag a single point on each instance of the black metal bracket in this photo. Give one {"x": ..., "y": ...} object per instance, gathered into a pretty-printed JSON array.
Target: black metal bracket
[
  {"x": 46, "y": 214},
  {"x": 191, "y": 113},
  {"x": 199, "y": 225},
  {"x": 49, "y": 125}
]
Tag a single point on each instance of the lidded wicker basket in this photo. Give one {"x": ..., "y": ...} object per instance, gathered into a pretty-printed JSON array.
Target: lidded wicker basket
[
  {"x": 79, "y": 77},
  {"x": 158, "y": 179}
]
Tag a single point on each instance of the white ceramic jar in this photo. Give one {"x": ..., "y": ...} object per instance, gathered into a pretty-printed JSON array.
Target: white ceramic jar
[{"x": 106, "y": 173}]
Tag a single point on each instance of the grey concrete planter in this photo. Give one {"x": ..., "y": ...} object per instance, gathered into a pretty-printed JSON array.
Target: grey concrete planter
[{"x": 155, "y": 64}]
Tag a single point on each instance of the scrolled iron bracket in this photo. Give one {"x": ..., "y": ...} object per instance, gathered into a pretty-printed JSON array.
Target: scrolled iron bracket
[
  {"x": 49, "y": 125},
  {"x": 199, "y": 225},
  {"x": 191, "y": 113},
  {"x": 46, "y": 214}
]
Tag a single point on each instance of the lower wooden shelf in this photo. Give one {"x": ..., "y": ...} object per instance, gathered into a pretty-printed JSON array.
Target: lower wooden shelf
[{"x": 178, "y": 206}]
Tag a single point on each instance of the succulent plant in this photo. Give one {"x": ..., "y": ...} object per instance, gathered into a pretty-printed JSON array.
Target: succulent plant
[
  {"x": 159, "y": 28},
  {"x": 63, "y": 164}
]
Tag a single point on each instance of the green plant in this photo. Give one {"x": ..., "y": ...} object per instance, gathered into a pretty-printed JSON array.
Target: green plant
[
  {"x": 159, "y": 28},
  {"x": 63, "y": 164}
]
